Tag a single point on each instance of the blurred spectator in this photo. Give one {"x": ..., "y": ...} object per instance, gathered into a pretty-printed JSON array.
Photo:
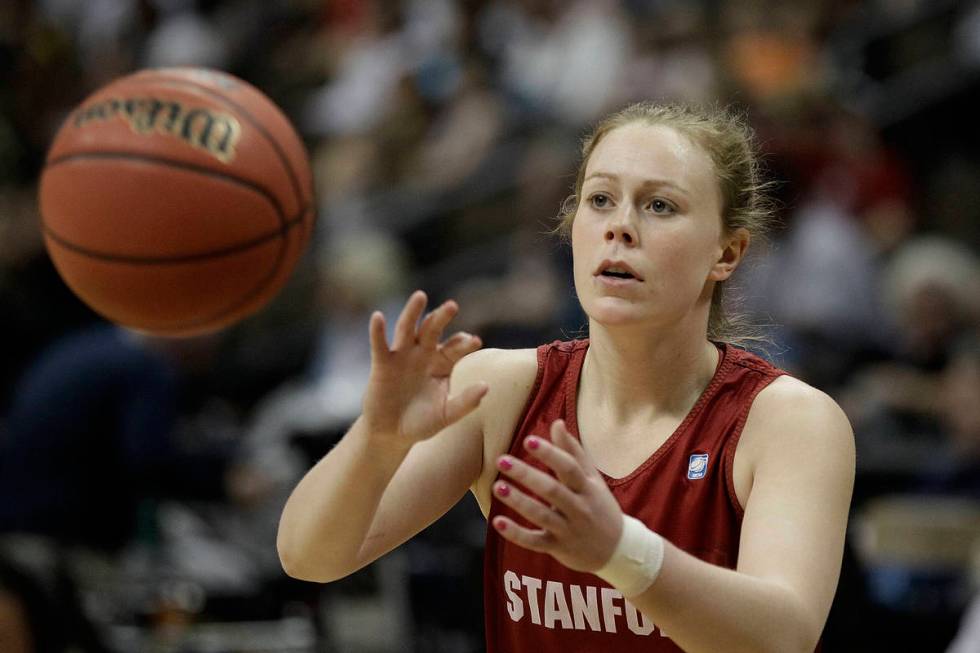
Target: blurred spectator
[
  {"x": 771, "y": 52},
  {"x": 36, "y": 305},
  {"x": 183, "y": 37},
  {"x": 953, "y": 198},
  {"x": 824, "y": 276},
  {"x": 358, "y": 274},
  {"x": 955, "y": 469},
  {"x": 676, "y": 59},
  {"x": 932, "y": 289},
  {"x": 91, "y": 434},
  {"x": 522, "y": 305},
  {"x": 849, "y": 211},
  {"x": 105, "y": 33},
  {"x": 297, "y": 421},
  {"x": 561, "y": 61},
  {"x": 40, "y": 611},
  {"x": 460, "y": 139},
  {"x": 896, "y": 402},
  {"x": 368, "y": 68}
]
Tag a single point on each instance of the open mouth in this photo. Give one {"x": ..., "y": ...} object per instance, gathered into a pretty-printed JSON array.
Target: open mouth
[
  {"x": 617, "y": 270},
  {"x": 617, "y": 274}
]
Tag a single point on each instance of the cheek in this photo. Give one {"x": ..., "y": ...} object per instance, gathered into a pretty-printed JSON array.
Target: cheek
[
  {"x": 580, "y": 271},
  {"x": 582, "y": 243},
  {"x": 682, "y": 259}
]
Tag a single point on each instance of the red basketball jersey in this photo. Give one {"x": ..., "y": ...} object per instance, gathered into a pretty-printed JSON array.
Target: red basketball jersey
[{"x": 684, "y": 491}]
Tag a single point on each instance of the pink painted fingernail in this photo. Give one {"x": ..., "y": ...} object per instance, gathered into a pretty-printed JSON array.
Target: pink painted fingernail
[
  {"x": 504, "y": 464},
  {"x": 503, "y": 489},
  {"x": 533, "y": 443},
  {"x": 500, "y": 524}
]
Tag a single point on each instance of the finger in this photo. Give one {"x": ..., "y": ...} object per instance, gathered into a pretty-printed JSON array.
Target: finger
[
  {"x": 465, "y": 402},
  {"x": 459, "y": 345},
  {"x": 561, "y": 462},
  {"x": 376, "y": 329},
  {"x": 544, "y": 485},
  {"x": 405, "y": 326},
  {"x": 535, "y": 540},
  {"x": 563, "y": 438},
  {"x": 435, "y": 323},
  {"x": 531, "y": 509}
]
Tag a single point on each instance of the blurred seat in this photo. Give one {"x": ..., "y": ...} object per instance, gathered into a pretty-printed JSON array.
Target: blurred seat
[{"x": 919, "y": 550}]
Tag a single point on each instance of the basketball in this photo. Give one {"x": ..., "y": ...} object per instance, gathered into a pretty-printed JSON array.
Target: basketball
[{"x": 176, "y": 201}]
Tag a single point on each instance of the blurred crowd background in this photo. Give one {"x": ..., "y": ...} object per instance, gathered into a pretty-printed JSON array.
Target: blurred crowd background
[{"x": 141, "y": 479}]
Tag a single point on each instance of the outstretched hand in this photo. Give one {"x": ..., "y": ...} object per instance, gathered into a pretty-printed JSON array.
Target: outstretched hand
[
  {"x": 407, "y": 397},
  {"x": 580, "y": 523}
]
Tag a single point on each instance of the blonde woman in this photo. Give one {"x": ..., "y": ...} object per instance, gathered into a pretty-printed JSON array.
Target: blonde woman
[{"x": 651, "y": 488}]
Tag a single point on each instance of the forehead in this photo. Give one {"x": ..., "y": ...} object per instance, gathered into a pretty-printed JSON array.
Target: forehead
[{"x": 637, "y": 153}]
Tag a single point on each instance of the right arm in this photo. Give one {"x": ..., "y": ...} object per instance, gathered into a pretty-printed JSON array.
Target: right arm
[{"x": 411, "y": 456}]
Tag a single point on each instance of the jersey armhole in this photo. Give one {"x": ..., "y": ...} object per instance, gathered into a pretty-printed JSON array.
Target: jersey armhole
[
  {"x": 542, "y": 359},
  {"x": 732, "y": 445},
  {"x": 541, "y": 356}
]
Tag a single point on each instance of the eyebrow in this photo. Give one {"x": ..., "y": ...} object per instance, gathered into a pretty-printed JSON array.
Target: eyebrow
[{"x": 657, "y": 183}]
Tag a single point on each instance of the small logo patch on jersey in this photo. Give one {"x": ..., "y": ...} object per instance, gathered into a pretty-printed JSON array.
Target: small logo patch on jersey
[{"x": 697, "y": 466}]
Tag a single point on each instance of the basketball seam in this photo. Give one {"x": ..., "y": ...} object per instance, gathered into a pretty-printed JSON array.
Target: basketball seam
[
  {"x": 293, "y": 179},
  {"x": 285, "y": 224},
  {"x": 303, "y": 206},
  {"x": 238, "y": 303},
  {"x": 163, "y": 76},
  {"x": 172, "y": 260},
  {"x": 176, "y": 163}
]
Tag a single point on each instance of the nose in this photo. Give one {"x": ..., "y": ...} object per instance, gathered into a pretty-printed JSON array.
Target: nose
[{"x": 622, "y": 228}]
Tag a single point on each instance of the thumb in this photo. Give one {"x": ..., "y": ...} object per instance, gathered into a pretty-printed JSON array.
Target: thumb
[{"x": 465, "y": 402}]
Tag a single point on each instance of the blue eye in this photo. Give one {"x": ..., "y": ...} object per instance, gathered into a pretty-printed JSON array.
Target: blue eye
[
  {"x": 599, "y": 201},
  {"x": 661, "y": 206}
]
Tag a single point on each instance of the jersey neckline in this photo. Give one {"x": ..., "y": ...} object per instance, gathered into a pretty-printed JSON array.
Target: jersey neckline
[{"x": 725, "y": 362}]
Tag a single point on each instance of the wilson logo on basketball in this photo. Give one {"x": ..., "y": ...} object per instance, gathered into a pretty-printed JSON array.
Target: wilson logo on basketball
[{"x": 215, "y": 132}]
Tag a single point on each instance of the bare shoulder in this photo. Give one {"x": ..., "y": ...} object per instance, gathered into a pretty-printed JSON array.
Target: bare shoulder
[
  {"x": 789, "y": 398},
  {"x": 511, "y": 374},
  {"x": 504, "y": 370},
  {"x": 793, "y": 416}
]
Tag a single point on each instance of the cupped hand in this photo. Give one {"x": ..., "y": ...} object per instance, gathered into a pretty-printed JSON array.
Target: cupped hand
[
  {"x": 576, "y": 517},
  {"x": 407, "y": 398}
]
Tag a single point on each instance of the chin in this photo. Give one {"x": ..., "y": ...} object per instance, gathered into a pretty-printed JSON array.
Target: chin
[{"x": 613, "y": 311}]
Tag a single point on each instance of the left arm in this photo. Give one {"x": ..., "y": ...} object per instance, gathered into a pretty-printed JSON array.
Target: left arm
[{"x": 800, "y": 450}]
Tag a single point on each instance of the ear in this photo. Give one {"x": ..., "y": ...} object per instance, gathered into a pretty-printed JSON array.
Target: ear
[{"x": 733, "y": 248}]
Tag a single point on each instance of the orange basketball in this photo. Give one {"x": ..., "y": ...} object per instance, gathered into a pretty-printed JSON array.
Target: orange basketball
[{"x": 176, "y": 201}]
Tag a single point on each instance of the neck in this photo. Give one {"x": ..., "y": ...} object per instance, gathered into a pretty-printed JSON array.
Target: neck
[{"x": 630, "y": 374}]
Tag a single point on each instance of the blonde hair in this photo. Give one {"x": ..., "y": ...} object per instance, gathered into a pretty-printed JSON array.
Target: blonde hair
[{"x": 727, "y": 139}]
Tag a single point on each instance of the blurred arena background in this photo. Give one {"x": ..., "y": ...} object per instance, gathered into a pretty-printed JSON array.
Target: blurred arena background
[{"x": 141, "y": 480}]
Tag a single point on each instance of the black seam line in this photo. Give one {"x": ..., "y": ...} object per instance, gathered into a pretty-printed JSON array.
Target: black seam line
[
  {"x": 175, "y": 163},
  {"x": 236, "y": 305},
  {"x": 293, "y": 180},
  {"x": 174, "y": 260}
]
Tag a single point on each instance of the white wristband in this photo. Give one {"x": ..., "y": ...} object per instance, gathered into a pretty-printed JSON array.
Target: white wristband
[{"x": 636, "y": 562}]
